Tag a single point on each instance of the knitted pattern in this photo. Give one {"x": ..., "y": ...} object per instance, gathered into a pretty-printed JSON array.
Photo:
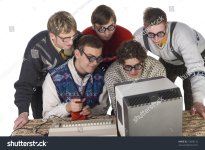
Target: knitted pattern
[
  {"x": 67, "y": 89},
  {"x": 116, "y": 74}
]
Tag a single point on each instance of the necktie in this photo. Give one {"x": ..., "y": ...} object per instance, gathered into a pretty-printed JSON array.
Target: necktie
[{"x": 65, "y": 57}]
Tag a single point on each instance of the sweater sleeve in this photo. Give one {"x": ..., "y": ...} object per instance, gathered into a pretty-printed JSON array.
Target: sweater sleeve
[
  {"x": 185, "y": 38},
  {"x": 153, "y": 68},
  {"x": 111, "y": 78},
  {"x": 51, "y": 102},
  {"x": 102, "y": 108},
  {"x": 28, "y": 79}
]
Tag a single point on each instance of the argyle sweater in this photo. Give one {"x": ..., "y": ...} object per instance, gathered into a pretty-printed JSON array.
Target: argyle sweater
[
  {"x": 58, "y": 89},
  {"x": 68, "y": 89}
]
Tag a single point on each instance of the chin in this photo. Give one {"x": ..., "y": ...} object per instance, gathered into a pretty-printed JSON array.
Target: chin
[
  {"x": 68, "y": 47},
  {"x": 90, "y": 70},
  {"x": 134, "y": 76},
  {"x": 107, "y": 38}
]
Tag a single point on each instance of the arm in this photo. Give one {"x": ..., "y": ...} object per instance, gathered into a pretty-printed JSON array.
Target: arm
[
  {"x": 189, "y": 50},
  {"x": 25, "y": 86},
  {"x": 153, "y": 68},
  {"x": 110, "y": 80},
  {"x": 51, "y": 102},
  {"x": 102, "y": 108}
]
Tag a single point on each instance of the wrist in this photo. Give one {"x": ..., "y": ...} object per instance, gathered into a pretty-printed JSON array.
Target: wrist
[{"x": 68, "y": 108}]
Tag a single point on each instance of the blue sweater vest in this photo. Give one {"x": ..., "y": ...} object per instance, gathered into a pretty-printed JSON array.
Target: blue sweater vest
[{"x": 68, "y": 89}]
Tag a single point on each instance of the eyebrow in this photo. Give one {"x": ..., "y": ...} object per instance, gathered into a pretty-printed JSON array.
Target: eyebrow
[
  {"x": 104, "y": 25},
  {"x": 92, "y": 55}
]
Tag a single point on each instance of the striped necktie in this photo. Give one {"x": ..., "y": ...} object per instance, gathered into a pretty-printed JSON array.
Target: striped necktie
[{"x": 65, "y": 57}]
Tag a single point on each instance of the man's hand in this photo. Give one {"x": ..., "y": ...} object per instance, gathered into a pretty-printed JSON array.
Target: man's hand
[
  {"x": 86, "y": 111},
  {"x": 21, "y": 120},
  {"x": 75, "y": 105},
  {"x": 198, "y": 108}
]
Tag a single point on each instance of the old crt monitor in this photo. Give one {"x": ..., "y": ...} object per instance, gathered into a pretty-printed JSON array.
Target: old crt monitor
[{"x": 149, "y": 107}]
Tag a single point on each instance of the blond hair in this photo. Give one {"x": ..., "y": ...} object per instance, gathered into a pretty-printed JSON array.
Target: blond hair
[{"x": 61, "y": 22}]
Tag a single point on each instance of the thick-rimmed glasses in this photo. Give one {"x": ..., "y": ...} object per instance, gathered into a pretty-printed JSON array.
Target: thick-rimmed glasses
[
  {"x": 93, "y": 58},
  {"x": 68, "y": 39},
  {"x": 159, "y": 34},
  {"x": 135, "y": 67},
  {"x": 103, "y": 29}
]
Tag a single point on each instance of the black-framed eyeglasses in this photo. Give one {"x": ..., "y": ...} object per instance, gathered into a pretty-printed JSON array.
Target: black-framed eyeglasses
[
  {"x": 136, "y": 67},
  {"x": 93, "y": 58},
  {"x": 159, "y": 34},
  {"x": 68, "y": 39},
  {"x": 103, "y": 29}
]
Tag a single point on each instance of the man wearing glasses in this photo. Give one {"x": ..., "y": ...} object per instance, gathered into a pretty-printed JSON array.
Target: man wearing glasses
[
  {"x": 46, "y": 50},
  {"x": 132, "y": 64},
  {"x": 104, "y": 26},
  {"x": 78, "y": 84},
  {"x": 181, "y": 50}
]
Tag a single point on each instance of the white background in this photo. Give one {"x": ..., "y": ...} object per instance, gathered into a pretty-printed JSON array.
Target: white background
[{"x": 22, "y": 19}]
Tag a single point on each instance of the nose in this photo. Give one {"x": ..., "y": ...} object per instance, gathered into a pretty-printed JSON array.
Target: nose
[
  {"x": 95, "y": 63},
  {"x": 133, "y": 71},
  {"x": 156, "y": 39},
  {"x": 71, "y": 41},
  {"x": 107, "y": 32}
]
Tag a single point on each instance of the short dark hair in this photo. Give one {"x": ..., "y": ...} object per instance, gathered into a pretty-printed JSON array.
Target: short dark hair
[
  {"x": 131, "y": 49},
  {"x": 89, "y": 40},
  {"x": 102, "y": 15},
  {"x": 154, "y": 16}
]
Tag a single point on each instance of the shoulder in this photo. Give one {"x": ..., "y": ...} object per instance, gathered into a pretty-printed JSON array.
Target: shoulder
[
  {"x": 59, "y": 69},
  {"x": 138, "y": 35},
  {"x": 88, "y": 30},
  {"x": 121, "y": 31},
  {"x": 153, "y": 68},
  {"x": 139, "y": 32},
  {"x": 113, "y": 70},
  {"x": 181, "y": 28},
  {"x": 40, "y": 38},
  {"x": 151, "y": 62}
]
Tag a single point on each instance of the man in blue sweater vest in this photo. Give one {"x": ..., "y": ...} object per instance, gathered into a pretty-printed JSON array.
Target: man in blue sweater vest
[{"x": 78, "y": 84}]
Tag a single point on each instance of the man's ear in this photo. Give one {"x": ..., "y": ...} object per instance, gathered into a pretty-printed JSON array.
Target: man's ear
[
  {"x": 93, "y": 27},
  {"x": 77, "y": 53},
  {"x": 52, "y": 36}
]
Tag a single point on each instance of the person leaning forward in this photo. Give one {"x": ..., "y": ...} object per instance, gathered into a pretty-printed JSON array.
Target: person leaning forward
[
  {"x": 46, "y": 50},
  {"x": 104, "y": 26},
  {"x": 77, "y": 86},
  {"x": 181, "y": 50}
]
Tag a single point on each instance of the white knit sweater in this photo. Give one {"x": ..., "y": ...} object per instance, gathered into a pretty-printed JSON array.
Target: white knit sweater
[{"x": 185, "y": 43}]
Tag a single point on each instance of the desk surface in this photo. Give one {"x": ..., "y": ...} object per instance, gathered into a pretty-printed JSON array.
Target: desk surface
[{"x": 192, "y": 126}]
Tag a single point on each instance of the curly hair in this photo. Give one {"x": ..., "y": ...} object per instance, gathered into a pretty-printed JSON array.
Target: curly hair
[{"x": 131, "y": 49}]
